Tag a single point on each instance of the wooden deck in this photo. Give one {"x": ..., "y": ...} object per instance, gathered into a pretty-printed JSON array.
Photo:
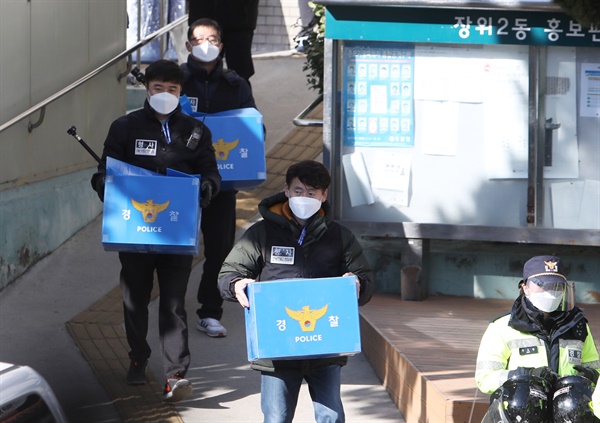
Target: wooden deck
[{"x": 424, "y": 352}]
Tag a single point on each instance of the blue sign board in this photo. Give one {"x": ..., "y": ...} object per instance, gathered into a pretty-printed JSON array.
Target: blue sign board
[
  {"x": 457, "y": 26},
  {"x": 302, "y": 318}
]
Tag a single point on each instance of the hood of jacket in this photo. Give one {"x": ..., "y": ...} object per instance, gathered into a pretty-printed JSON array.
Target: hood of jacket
[
  {"x": 526, "y": 318},
  {"x": 276, "y": 210}
]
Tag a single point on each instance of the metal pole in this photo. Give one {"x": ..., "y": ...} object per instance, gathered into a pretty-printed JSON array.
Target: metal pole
[
  {"x": 162, "y": 23},
  {"x": 139, "y": 31}
]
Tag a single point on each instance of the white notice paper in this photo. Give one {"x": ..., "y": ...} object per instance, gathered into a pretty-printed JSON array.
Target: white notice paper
[
  {"x": 590, "y": 205},
  {"x": 442, "y": 137},
  {"x": 576, "y": 205},
  {"x": 391, "y": 178},
  {"x": 357, "y": 179}
]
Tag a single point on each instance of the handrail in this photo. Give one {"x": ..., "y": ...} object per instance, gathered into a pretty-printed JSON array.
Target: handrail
[
  {"x": 41, "y": 105},
  {"x": 300, "y": 121}
]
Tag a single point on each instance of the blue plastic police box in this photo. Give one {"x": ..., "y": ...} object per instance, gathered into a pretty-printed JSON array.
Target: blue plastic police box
[
  {"x": 302, "y": 318},
  {"x": 148, "y": 212},
  {"x": 239, "y": 141}
]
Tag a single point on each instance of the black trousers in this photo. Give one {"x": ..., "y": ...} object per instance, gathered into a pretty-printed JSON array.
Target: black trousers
[
  {"x": 218, "y": 233},
  {"x": 137, "y": 275},
  {"x": 238, "y": 52}
]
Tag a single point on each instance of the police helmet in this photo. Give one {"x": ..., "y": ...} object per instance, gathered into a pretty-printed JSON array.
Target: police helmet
[
  {"x": 572, "y": 400},
  {"x": 525, "y": 399}
]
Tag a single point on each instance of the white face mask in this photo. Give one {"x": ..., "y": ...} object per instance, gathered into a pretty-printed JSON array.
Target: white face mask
[
  {"x": 163, "y": 103},
  {"x": 205, "y": 52},
  {"x": 304, "y": 207},
  {"x": 547, "y": 301}
]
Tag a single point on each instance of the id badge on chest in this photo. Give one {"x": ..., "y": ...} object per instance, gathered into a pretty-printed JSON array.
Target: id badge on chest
[
  {"x": 574, "y": 355},
  {"x": 282, "y": 255},
  {"x": 145, "y": 147}
]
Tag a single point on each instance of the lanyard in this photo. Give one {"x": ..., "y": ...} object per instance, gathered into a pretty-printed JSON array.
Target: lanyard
[
  {"x": 302, "y": 234},
  {"x": 165, "y": 128}
]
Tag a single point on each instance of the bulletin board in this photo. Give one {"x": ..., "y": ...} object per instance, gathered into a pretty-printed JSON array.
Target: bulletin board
[
  {"x": 378, "y": 95},
  {"x": 458, "y": 150}
]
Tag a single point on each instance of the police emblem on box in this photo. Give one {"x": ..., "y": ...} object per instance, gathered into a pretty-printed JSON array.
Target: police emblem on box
[
  {"x": 239, "y": 142},
  {"x": 149, "y": 212},
  {"x": 302, "y": 318}
]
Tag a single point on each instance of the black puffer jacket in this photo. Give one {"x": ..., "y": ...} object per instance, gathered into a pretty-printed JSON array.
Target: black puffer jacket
[
  {"x": 328, "y": 250},
  {"x": 125, "y": 132},
  {"x": 217, "y": 91}
]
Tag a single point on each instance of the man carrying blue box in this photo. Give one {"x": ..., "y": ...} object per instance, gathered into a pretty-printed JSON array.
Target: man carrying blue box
[
  {"x": 158, "y": 137},
  {"x": 212, "y": 89},
  {"x": 297, "y": 239}
]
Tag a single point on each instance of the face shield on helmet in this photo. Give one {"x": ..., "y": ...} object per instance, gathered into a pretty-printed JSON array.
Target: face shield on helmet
[
  {"x": 550, "y": 295},
  {"x": 545, "y": 286},
  {"x": 569, "y": 298},
  {"x": 556, "y": 285}
]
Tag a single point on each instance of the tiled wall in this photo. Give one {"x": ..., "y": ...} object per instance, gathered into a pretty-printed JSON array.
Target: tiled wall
[{"x": 278, "y": 23}]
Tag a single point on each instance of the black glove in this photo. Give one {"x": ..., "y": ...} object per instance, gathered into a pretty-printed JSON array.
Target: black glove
[
  {"x": 588, "y": 373},
  {"x": 99, "y": 187},
  {"x": 545, "y": 373},
  {"x": 206, "y": 193}
]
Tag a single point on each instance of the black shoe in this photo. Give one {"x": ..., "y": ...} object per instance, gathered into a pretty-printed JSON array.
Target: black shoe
[
  {"x": 137, "y": 372},
  {"x": 177, "y": 388}
]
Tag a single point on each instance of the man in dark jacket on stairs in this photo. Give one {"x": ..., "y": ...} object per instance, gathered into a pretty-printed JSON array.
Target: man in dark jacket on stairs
[
  {"x": 211, "y": 89},
  {"x": 298, "y": 220},
  {"x": 238, "y": 20}
]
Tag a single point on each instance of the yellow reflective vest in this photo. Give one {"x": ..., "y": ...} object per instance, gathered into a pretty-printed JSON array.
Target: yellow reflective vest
[
  {"x": 504, "y": 348},
  {"x": 596, "y": 400}
]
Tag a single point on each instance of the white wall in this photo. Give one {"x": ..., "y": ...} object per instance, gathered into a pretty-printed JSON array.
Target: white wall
[{"x": 45, "y": 45}]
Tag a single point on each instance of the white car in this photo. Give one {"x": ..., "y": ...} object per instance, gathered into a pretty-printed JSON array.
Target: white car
[{"x": 25, "y": 396}]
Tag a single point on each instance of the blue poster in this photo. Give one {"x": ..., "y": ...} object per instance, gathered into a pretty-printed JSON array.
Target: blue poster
[{"x": 378, "y": 86}]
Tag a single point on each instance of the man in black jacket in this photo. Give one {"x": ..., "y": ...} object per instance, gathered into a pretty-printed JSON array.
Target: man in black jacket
[
  {"x": 299, "y": 221},
  {"x": 211, "y": 89},
  {"x": 166, "y": 134},
  {"x": 238, "y": 21}
]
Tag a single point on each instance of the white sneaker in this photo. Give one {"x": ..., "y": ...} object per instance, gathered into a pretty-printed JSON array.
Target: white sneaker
[
  {"x": 177, "y": 388},
  {"x": 212, "y": 327}
]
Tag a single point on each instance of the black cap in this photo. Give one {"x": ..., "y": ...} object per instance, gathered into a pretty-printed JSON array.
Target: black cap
[{"x": 545, "y": 269}]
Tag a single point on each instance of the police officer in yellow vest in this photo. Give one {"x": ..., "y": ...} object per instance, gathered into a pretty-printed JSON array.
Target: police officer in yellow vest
[{"x": 539, "y": 361}]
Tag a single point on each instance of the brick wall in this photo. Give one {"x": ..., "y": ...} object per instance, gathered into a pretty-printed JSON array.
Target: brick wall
[{"x": 278, "y": 23}]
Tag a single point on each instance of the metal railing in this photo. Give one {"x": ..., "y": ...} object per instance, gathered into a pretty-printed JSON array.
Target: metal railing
[
  {"x": 300, "y": 119},
  {"x": 41, "y": 106}
]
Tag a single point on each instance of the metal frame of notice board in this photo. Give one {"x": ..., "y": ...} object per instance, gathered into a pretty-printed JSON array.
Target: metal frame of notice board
[{"x": 395, "y": 27}]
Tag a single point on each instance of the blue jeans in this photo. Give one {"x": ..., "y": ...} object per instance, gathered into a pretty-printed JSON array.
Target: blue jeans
[{"x": 280, "y": 389}]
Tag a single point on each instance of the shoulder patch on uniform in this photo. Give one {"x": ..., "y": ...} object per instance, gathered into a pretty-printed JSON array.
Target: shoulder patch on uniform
[{"x": 528, "y": 350}]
